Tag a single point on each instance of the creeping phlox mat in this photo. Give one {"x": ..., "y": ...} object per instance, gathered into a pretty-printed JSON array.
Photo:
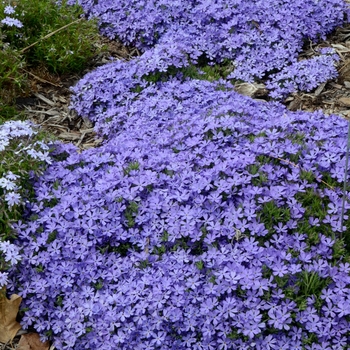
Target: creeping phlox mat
[
  {"x": 205, "y": 220},
  {"x": 209, "y": 224},
  {"x": 259, "y": 36}
]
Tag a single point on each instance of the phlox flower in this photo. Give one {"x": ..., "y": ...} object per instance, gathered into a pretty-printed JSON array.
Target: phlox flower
[
  {"x": 3, "y": 279},
  {"x": 12, "y": 22},
  {"x": 10, "y": 251},
  {"x": 9, "y": 10},
  {"x": 12, "y": 198},
  {"x": 7, "y": 184}
]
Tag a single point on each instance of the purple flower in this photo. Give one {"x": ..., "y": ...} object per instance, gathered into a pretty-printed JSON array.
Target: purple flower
[{"x": 12, "y": 198}]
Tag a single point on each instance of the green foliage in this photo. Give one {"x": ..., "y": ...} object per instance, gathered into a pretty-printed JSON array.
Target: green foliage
[
  {"x": 271, "y": 215},
  {"x": 61, "y": 51},
  {"x": 66, "y": 51},
  {"x": 15, "y": 160},
  {"x": 200, "y": 265},
  {"x": 202, "y": 71},
  {"x": 130, "y": 167},
  {"x": 130, "y": 213},
  {"x": 310, "y": 284},
  {"x": 7, "y": 111},
  {"x": 12, "y": 79}
]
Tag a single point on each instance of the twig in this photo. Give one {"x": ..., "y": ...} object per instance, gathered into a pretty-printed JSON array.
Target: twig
[
  {"x": 41, "y": 79},
  {"x": 44, "y": 99},
  {"x": 50, "y": 34}
]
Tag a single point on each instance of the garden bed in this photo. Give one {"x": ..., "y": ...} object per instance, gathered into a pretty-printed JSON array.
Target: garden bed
[{"x": 178, "y": 213}]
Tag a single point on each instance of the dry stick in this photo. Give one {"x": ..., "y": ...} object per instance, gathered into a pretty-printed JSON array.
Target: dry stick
[
  {"x": 41, "y": 79},
  {"x": 50, "y": 34}
]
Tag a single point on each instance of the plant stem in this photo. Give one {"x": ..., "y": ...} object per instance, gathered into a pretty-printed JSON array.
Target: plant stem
[{"x": 50, "y": 34}]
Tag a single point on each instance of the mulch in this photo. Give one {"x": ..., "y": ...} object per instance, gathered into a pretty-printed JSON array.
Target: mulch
[{"x": 49, "y": 100}]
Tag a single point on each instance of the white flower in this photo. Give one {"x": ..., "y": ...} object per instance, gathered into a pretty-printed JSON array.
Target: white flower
[
  {"x": 3, "y": 279},
  {"x": 11, "y": 252},
  {"x": 7, "y": 184},
  {"x": 12, "y": 198},
  {"x": 12, "y": 22},
  {"x": 9, "y": 10}
]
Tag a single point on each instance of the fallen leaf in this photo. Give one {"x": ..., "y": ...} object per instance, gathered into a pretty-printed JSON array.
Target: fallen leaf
[
  {"x": 8, "y": 313},
  {"x": 31, "y": 341}
]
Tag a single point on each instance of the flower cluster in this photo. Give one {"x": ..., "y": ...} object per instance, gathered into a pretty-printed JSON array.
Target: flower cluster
[
  {"x": 246, "y": 33},
  {"x": 11, "y": 21},
  {"x": 207, "y": 220},
  {"x": 9, "y": 257},
  {"x": 109, "y": 90},
  {"x": 21, "y": 156},
  {"x": 259, "y": 36},
  {"x": 304, "y": 75},
  {"x": 16, "y": 147}
]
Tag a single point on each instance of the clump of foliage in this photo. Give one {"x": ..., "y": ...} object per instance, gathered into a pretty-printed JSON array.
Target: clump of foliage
[
  {"x": 12, "y": 79},
  {"x": 68, "y": 50},
  {"x": 30, "y": 22}
]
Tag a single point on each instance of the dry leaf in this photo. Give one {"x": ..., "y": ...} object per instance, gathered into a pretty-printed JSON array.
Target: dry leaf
[
  {"x": 8, "y": 313},
  {"x": 31, "y": 341}
]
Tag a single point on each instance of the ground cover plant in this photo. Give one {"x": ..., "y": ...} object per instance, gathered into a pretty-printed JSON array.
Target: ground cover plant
[
  {"x": 205, "y": 220},
  {"x": 66, "y": 51},
  {"x": 193, "y": 228},
  {"x": 23, "y": 151},
  {"x": 26, "y": 41},
  {"x": 24, "y": 157},
  {"x": 259, "y": 36}
]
